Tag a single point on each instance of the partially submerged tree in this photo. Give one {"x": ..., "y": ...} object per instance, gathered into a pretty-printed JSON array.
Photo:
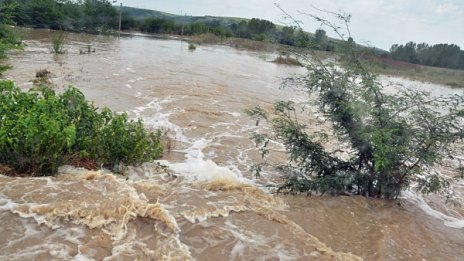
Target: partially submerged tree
[{"x": 395, "y": 137}]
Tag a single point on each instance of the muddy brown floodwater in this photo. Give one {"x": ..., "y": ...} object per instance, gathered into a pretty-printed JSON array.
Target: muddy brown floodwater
[{"x": 210, "y": 207}]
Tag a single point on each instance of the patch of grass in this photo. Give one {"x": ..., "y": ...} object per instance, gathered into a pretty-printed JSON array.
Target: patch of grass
[
  {"x": 444, "y": 76},
  {"x": 192, "y": 47},
  {"x": 287, "y": 60},
  {"x": 252, "y": 45},
  {"x": 4, "y": 67},
  {"x": 41, "y": 131},
  {"x": 205, "y": 39},
  {"x": 58, "y": 41}
]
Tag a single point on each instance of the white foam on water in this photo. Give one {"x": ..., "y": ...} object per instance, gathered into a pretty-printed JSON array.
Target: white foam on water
[
  {"x": 393, "y": 83},
  {"x": 235, "y": 114},
  {"x": 247, "y": 241},
  {"x": 9, "y": 205},
  {"x": 448, "y": 221},
  {"x": 197, "y": 168},
  {"x": 81, "y": 257},
  {"x": 159, "y": 120}
]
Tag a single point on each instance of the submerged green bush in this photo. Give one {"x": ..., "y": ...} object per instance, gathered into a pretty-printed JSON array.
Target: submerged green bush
[
  {"x": 391, "y": 139},
  {"x": 192, "y": 47},
  {"x": 58, "y": 42},
  {"x": 41, "y": 131}
]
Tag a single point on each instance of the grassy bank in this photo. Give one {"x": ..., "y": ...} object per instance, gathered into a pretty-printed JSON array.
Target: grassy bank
[{"x": 444, "y": 76}]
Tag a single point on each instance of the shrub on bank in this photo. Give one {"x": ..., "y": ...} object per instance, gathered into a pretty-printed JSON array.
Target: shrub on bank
[
  {"x": 8, "y": 40},
  {"x": 39, "y": 131}
]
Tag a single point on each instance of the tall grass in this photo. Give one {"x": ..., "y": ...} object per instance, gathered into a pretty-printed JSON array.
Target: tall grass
[{"x": 58, "y": 41}]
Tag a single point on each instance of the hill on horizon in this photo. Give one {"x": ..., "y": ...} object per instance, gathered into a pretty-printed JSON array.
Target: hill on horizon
[{"x": 141, "y": 14}]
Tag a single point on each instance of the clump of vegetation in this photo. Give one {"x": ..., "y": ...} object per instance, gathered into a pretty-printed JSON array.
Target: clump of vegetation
[
  {"x": 288, "y": 60},
  {"x": 8, "y": 40},
  {"x": 4, "y": 67},
  {"x": 58, "y": 41},
  {"x": 39, "y": 131},
  {"x": 207, "y": 38},
  {"x": 394, "y": 139},
  {"x": 87, "y": 50},
  {"x": 42, "y": 77},
  {"x": 89, "y": 16},
  {"x": 192, "y": 47}
]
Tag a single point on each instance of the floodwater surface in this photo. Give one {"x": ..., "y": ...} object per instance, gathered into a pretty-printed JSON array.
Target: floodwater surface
[{"x": 207, "y": 205}]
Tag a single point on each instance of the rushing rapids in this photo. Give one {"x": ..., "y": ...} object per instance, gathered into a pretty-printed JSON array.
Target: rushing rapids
[{"x": 200, "y": 202}]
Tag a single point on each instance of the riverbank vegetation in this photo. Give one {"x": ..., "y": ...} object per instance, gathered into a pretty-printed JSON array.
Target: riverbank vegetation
[
  {"x": 81, "y": 16},
  {"x": 285, "y": 58},
  {"x": 393, "y": 139},
  {"x": 100, "y": 16},
  {"x": 8, "y": 40},
  {"x": 422, "y": 73},
  {"x": 40, "y": 131},
  {"x": 58, "y": 40}
]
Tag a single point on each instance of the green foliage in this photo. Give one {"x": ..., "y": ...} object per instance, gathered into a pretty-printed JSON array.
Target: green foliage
[
  {"x": 158, "y": 25},
  {"x": 121, "y": 141},
  {"x": 85, "y": 15},
  {"x": 192, "y": 47},
  {"x": 8, "y": 40},
  {"x": 7, "y": 12},
  {"x": 8, "y": 37},
  {"x": 439, "y": 55},
  {"x": 58, "y": 41},
  {"x": 394, "y": 138},
  {"x": 41, "y": 131},
  {"x": 321, "y": 39}
]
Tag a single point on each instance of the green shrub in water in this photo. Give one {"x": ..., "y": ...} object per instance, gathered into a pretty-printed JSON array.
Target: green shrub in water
[
  {"x": 58, "y": 42},
  {"x": 192, "y": 47},
  {"x": 41, "y": 131}
]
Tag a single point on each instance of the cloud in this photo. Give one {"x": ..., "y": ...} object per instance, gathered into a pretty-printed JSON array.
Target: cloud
[{"x": 449, "y": 9}]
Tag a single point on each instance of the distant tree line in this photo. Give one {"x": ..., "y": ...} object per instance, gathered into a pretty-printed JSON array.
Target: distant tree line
[
  {"x": 438, "y": 55},
  {"x": 254, "y": 29},
  {"x": 99, "y": 16},
  {"x": 71, "y": 15}
]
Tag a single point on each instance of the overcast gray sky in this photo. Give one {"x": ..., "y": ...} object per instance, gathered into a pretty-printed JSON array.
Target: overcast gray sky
[{"x": 379, "y": 22}]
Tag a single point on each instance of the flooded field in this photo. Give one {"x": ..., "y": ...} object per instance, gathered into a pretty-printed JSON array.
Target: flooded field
[{"x": 208, "y": 205}]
